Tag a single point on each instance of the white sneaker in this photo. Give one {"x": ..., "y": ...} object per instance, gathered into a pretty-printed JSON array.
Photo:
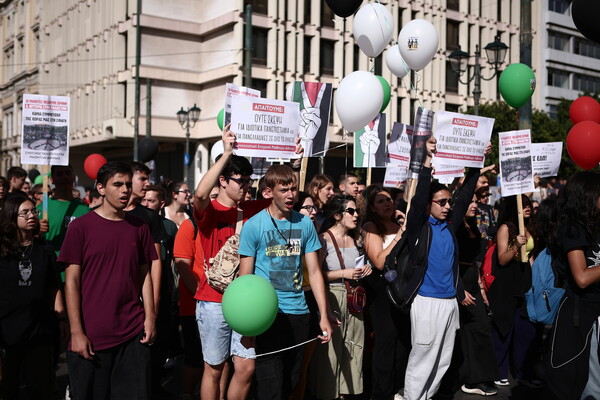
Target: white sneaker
[
  {"x": 398, "y": 396},
  {"x": 502, "y": 382}
]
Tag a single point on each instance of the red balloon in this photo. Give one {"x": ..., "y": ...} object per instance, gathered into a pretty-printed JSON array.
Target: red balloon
[
  {"x": 583, "y": 144},
  {"x": 585, "y": 108},
  {"x": 92, "y": 164}
]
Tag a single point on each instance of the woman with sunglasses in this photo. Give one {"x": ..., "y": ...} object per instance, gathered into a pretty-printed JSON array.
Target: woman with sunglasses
[
  {"x": 30, "y": 303},
  {"x": 391, "y": 328},
  {"x": 178, "y": 201},
  {"x": 514, "y": 335},
  {"x": 436, "y": 287},
  {"x": 337, "y": 367}
]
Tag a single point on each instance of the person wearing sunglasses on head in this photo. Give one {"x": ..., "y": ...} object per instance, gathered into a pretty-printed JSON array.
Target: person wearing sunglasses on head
[
  {"x": 178, "y": 200},
  {"x": 434, "y": 312},
  {"x": 30, "y": 304}
]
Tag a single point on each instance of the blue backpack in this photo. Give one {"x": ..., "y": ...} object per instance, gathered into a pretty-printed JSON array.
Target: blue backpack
[{"x": 543, "y": 298}]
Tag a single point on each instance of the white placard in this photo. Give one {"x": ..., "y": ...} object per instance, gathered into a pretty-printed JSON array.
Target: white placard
[
  {"x": 446, "y": 172},
  {"x": 265, "y": 127},
  {"x": 395, "y": 175},
  {"x": 45, "y": 130},
  {"x": 461, "y": 139},
  {"x": 515, "y": 162},
  {"x": 399, "y": 148},
  {"x": 546, "y": 158},
  {"x": 231, "y": 91}
]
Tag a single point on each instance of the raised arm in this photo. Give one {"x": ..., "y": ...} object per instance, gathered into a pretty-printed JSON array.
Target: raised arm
[{"x": 209, "y": 180}]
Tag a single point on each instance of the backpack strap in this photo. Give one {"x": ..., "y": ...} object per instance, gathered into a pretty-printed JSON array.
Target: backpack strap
[{"x": 240, "y": 221}]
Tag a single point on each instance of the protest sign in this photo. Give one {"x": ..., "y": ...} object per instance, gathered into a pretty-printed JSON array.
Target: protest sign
[
  {"x": 395, "y": 175},
  {"x": 461, "y": 139},
  {"x": 421, "y": 134},
  {"x": 398, "y": 151},
  {"x": 546, "y": 158},
  {"x": 45, "y": 130},
  {"x": 369, "y": 144},
  {"x": 515, "y": 162},
  {"x": 231, "y": 91},
  {"x": 265, "y": 127},
  {"x": 446, "y": 172},
  {"x": 315, "y": 105}
]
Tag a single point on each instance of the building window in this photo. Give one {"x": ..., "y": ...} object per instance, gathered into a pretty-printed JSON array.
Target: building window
[
  {"x": 378, "y": 67},
  {"x": 260, "y": 84},
  {"x": 553, "y": 111},
  {"x": 453, "y": 5},
  {"x": 259, "y": 45},
  {"x": 452, "y": 107},
  {"x": 327, "y": 16},
  {"x": 451, "y": 79},
  {"x": 452, "y": 33},
  {"x": 307, "y": 12},
  {"x": 258, "y": 6},
  {"x": 558, "y": 78},
  {"x": 559, "y": 6},
  {"x": 558, "y": 41},
  {"x": 586, "y": 48},
  {"x": 326, "y": 57},
  {"x": 306, "y": 63},
  {"x": 355, "y": 58},
  {"x": 586, "y": 83}
]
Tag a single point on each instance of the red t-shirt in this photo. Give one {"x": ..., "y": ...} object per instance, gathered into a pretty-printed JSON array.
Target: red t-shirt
[
  {"x": 216, "y": 224},
  {"x": 110, "y": 254},
  {"x": 186, "y": 247}
]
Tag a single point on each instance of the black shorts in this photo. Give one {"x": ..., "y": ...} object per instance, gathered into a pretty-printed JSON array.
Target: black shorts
[{"x": 192, "y": 348}]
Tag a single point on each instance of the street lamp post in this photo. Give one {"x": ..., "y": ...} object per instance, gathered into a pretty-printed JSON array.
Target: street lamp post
[
  {"x": 495, "y": 51},
  {"x": 187, "y": 119}
]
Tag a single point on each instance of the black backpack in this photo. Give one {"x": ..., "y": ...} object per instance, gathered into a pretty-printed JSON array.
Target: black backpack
[{"x": 403, "y": 274}]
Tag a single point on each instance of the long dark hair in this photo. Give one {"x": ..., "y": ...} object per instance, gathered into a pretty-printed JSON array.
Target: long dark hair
[
  {"x": 509, "y": 216},
  {"x": 546, "y": 220},
  {"x": 9, "y": 232},
  {"x": 578, "y": 204},
  {"x": 170, "y": 188},
  {"x": 370, "y": 214},
  {"x": 337, "y": 206}
]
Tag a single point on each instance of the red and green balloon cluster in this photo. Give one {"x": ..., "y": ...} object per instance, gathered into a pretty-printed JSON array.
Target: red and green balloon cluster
[{"x": 583, "y": 141}]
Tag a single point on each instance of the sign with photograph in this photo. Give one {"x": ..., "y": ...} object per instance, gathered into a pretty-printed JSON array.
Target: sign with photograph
[
  {"x": 461, "y": 139},
  {"x": 516, "y": 166},
  {"x": 546, "y": 158},
  {"x": 45, "y": 130},
  {"x": 421, "y": 134},
  {"x": 265, "y": 127}
]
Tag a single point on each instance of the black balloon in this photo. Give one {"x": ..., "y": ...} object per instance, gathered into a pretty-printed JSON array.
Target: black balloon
[
  {"x": 343, "y": 8},
  {"x": 585, "y": 16},
  {"x": 147, "y": 149},
  {"x": 33, "y": 173}
]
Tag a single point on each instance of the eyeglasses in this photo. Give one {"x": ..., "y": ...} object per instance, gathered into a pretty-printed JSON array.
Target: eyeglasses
[
  {"x": 187, "y": 191},
  {"x": 241, "y": 181},
  {"x": 443, "y": 202},
  {"x": 351, "y": 211},
  {"x": 34, "y": 213},
  {"x": 310, "y": 208}
]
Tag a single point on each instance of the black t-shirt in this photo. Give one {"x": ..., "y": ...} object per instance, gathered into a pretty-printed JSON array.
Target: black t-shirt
[
  {"x": 591, "y": 249},
  {"x": 152, "y": 219},
  {"x": 26, "y": 305}
]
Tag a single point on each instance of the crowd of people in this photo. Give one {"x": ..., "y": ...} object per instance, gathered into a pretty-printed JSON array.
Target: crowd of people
[{"x": 120, "y": 279}]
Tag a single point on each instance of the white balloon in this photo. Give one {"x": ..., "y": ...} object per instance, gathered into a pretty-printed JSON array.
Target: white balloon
[
  {"x": 358, "y": 99},
  {"x": 373, "y": 28},
  {"x": 395, "y": 62},
  {"x": 418, "y": 42},
  {"x": 216, "y": 150}
]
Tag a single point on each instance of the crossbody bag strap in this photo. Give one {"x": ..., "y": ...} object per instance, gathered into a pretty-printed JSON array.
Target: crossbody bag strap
[
  {"x": 340, "y": 258},
  {"x": 240, "y": 221}
]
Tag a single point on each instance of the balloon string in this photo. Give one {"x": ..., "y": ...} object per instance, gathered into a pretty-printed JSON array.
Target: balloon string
[
  {"x": 323, "y": 152},
  {"x": 281, "y": 350},
  {"x": 385, "y": 19}
]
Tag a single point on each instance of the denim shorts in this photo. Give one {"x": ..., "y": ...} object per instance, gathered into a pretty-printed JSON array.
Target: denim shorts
[{"x": 218, "y": 340}]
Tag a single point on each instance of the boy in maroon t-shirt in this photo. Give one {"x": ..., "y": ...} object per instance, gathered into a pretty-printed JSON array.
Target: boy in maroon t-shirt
[{"x": 107, "y": 254}]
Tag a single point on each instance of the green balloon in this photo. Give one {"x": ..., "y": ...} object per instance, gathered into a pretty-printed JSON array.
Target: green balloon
[
  {"x": 387, "y": 92},
  {"x": 39, "y": 179},
  {"x": 250, "y": 305},
  {"x": 517, "y": 84},
  {"x": 220, "y": 118}
]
